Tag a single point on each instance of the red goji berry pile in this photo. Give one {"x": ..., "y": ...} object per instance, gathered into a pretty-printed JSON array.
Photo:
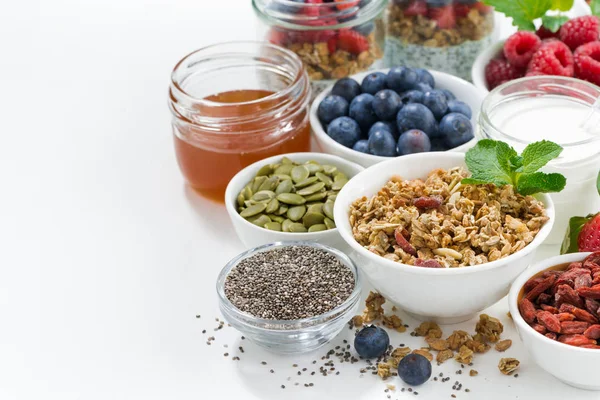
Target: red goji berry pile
[{"x": 563, "y": 305}]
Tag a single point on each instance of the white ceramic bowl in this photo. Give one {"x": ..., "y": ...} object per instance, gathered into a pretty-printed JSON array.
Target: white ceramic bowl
[
  {"x": 463, "y": 90},
  {"x": 482, "y": 60},
  {"x": 254, "y": 236},
  {"x": 573, "y": 365},
  {"x": 444, "y": 295}
]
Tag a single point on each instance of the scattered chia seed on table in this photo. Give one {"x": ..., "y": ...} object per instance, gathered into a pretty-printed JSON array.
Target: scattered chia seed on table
[{"x": 289, "y": 283}]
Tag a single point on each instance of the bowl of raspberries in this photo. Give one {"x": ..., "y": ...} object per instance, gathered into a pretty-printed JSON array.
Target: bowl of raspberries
[
  {"x": 369, "y": 117},
  {"x": 573, "y": 51}
]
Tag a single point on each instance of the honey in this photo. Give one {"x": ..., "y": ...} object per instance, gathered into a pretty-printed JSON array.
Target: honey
[{"x": 208, "y": 170}]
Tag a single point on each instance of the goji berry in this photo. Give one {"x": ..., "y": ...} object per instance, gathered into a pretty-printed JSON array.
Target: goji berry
[
  {"x": 527, "y": 310},
  {"x": 590, "y": 346},
  {"x": 539, "y": 328},
  {"x": 541, "y": 287},
  {"x": 551, "y": 335},
  {"x": 596, "y": 280},
  {"x": 403, "y": 243},
  {"x": 582, "y": 281},
  {"x": 531, "y": 283},
  {"x": 549, "y": 321},
  {"x": 570, "y": 327},
  {"x": 574, "y": 265},
  {"x": 593, "y": 332},
  {"x": 575, "y": 340},
  {"x": 550, "y": 309},
  {"x": 566, "y": 308},
  {"x": 544, "y": 298},
  {"x": 427, "y": 202},
  {"x": 590, "y": 292},
  {"x": 593, "y": 307},
  {"x": 563, "y": 316},
  {"x": 593, "y": 258},
  {"x": 566, "y": 294},
  {"x": 419, "y": 262},
  {"x": 584, "y": 315}
]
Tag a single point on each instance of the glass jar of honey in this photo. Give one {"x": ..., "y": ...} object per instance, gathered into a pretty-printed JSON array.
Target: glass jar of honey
[{"x": 234, "y": 104}]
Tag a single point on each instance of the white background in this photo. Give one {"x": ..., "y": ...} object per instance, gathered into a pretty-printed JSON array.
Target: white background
[{"x": 106, "y": 257}]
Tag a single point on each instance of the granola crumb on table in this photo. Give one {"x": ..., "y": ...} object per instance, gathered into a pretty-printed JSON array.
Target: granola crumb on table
[
  {"x": 475, "y": 224},
  {"x": 508, "y": 365}
]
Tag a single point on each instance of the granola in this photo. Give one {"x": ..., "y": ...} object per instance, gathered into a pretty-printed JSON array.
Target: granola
[
  {"x": 474, "y": 224},
  {"x": 503, "y": 345},
  {"x": 508, "y": 365},
  {"x": 489, "y": 327}
]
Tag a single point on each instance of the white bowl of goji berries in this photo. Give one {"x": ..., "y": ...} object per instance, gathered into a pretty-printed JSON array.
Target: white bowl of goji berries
[{"x": 554, "y": 334}]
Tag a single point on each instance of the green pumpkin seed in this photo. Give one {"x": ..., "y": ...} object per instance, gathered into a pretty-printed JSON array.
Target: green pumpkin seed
[
  {"x": 315, "y": 208},
  {"x": 276, "y": 218},
  {"x": 265, "y": 170},
  {"x": 316, "y": 197},
  {"x": 313, "y": 168},
  {"x": 306, "y": 182},
  {"x": 272, "y": 206},
  {"x": 285, "y": 187},
  {"x": 329, "y": 169},
  {"x": 331, "y": 197},
  {"x": 247, "y": 191},
  {"x": 284, "y": 169},
  {"x": 339, "y": 176},
  {"x": 263, "y": 195},
  {"x": 261, "y": 220},
  {"x": 240, "y": 199},
  {"x": 283, "y": 177},
  {"x": 253, "y": 210},
  {"x": 297, "y": 227},
  {"x": 296, "y": 213},
  {"x": 328, "y": 209},
  {"x": 299, "y": 173},
  {"x": 291, "y": 198},
  {"x": 329, "y": 223},
  {"x": 249, "y": 203},
  {"x": 339, "y": 184},
  {"x": 324, "y": 178},
  {"x": 285, "y": 225},
  {"x": 286, "y": 160},
  {"x": 314, "y": 188},
  {"x": 258, "y": 181},
  {"x": 282, "y": 209},
  {"x": 273, "y": 226},
  {"x": 270, "y": 184},
  {"x": 318, "y": 228},
  {"x": 311, "y": 219}
]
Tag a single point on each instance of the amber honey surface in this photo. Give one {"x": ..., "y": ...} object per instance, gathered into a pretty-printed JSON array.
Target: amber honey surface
[{"x": 209, "y": 164}]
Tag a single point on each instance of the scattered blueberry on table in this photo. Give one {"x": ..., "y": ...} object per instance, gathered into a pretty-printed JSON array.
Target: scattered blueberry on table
[
  {"x": 414, "y": 369},
  {"x": 371, "y": 342},
  {"x": 395, "y": 114}
]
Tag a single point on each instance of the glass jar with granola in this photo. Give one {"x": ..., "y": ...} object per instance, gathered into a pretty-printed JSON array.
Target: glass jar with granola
[
  {"x": 334, "y": 38},
  {"x": 444, "y": 35}
]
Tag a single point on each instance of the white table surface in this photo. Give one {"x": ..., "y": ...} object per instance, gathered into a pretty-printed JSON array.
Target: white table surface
[{"x": 106, "y": 256}]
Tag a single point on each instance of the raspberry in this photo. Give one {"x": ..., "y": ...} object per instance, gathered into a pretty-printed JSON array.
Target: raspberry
[
  {"x": 499, "y": 71},
  {"x": 553, "y": 58},
  {"x": 461, "y": 10},
  {"x": 332, "y": 45},
  {"x": 277, "y": 36},
  {"x": 520, "y": 47},
  {"x": 312, "y": 10},
  {"x": 346, "y": 4},
  {"x": 352, "y": 41},
  {"x": 416, "y": 7},
  {"x": 444, "y": 16},
  {"x": 544, "y": 33},
  {"x": 580, "y": 31},
  {"x": 483, "y": 8},
  {"x": 587, "y": 62}
]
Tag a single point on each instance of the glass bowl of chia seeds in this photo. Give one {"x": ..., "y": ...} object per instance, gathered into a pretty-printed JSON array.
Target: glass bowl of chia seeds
[{"x": 289, "y": 297}]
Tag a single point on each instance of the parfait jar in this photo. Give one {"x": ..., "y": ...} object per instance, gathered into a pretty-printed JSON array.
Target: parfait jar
[
  {"x": 444, "y": 35},
  {"x": 233, "y": 104},
  {"x": 552, "y": 108},
  {"x": 333, "y": 39}
]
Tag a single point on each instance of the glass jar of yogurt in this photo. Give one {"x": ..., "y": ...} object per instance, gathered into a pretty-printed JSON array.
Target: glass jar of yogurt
[
  {"x": 334, "y": 39},
  {"x": 553, "y": 108},
  {"x": 444, "y": 35}
]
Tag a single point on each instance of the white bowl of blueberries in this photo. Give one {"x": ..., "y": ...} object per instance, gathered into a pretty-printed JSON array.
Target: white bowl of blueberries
[{"x": 375, "y": 115}]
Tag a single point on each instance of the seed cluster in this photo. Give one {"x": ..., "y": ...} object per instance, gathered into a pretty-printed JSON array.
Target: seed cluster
[{"x": 289, "y": 283}]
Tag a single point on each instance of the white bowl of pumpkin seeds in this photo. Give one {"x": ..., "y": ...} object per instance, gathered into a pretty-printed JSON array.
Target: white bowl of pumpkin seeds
[{"x": 288, "y": 197}]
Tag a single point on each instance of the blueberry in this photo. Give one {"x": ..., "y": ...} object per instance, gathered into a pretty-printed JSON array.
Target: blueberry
[
  {"x": 373, "y": 83},
  {"x": 436, "y": 102},
  {"x": 438, "y": 3},
  {"x": 386, "y": 104},
  {"x": 371, "y": 342},
  {"x": 390, "y": 126},
  {"x": 365, "y": 29},
  {"x": 457, "y": 106},
  {"x": 414, "y": 369},
  {"x": 438, "y": 144},
  {"x": 424, "y": 87},
  {"x": 402, "y": 79},
  {"x": 425, "y": 77},
  {"x": 331, "y": 108},
  {"x": 455, "y": 129},
  {"x": 362, "y": 146},
  {"x": 361, "y": 110},
  {"x": 348, "y": 88},
  {"x": 382, "y": 143},
  {"x": 412, "y": 96},
  {"x": 413, "y": 141},
  {"x": 449, "y": 95},
  {"x": 415, "y": 116},
  {"x": 344, "y": 130}
]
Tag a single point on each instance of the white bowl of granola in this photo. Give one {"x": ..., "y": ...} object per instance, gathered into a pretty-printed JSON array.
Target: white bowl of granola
[{"x": 462, "y": 254}]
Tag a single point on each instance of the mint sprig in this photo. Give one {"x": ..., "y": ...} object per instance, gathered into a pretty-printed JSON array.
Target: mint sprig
[
  {"x": 554, "y": 22},
  {"x": 595, "y": 6},
  {"x": 569, "y": 244},
  {"x": 522, "y": 12},
  {"x": 493, "y": 161},
  {"x": 562, "y": 5}
]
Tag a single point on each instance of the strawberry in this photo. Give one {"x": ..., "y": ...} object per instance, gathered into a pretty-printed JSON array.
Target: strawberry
[
  {"x": 482, "y": 7},
  {"x": 416, "y": 7},
  {"x": 277, "y": 36},
  {"x": 312, "y": 9},
  {"x": 352, "y": 41},
  {"x": 332, "y": 45},
  {"x": 345, "y": 4},
  {"x": 461, "y": 10},
  {"x": 583, "y": 234},
  {"x": 444, "y": 16}
]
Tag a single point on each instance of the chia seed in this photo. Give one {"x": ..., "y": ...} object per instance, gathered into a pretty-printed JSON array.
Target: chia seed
[{"x": 289, "y": 283}]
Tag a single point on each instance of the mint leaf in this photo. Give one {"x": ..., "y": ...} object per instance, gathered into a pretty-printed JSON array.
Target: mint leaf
[
  {"x": 595, "y": 6},
  {"x": 538, "y": 154},
  {"x": 562, "y": 5},
  {"x": 540, "y": 182},
  {"x": 554, "y": 22},
  {"x": 489, "y": 162},
  {"x": 522, "y": 12},
  {"x": 569, "y": 244}
]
